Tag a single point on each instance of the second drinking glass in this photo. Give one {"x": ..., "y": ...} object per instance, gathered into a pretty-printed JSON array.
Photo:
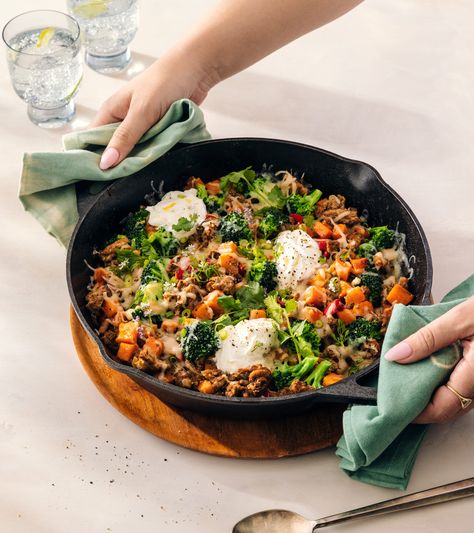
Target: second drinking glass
[{"x": 107, "y": 28}]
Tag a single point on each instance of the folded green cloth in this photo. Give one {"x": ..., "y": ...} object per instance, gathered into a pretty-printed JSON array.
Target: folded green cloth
[
  {"x": 47, "y": 187},
  {"x": 379, "y": 445}
]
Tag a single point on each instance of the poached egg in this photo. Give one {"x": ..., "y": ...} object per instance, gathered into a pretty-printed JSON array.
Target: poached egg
[
  {"x": 247, "y": 343},
  {"x": 177, "y": 205},
  {"x": 296, "y": 258}
]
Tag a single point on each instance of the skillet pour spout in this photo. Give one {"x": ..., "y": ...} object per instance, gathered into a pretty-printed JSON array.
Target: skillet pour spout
[{"x": 360, "y": 183}]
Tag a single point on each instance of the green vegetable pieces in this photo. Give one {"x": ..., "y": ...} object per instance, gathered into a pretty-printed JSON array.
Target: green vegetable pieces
[{"x": 199, "y": 340}]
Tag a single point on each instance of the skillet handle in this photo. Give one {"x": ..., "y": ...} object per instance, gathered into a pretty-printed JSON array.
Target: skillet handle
[{"x": 349, "y": 391}]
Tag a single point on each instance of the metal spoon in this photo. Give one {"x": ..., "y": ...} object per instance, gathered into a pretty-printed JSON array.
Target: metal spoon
[{"x": 280, "y": 521}]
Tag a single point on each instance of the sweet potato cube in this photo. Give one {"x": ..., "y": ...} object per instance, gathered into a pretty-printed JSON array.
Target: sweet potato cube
[
  {"x": 257, "y": 313},
  {"x": 359, "y": 264},
  {"x": 346, "y": 315},
  {"x": 211, "y": 300},
  {"x": 128, "y": 333},
  {"x": 322, "y": 230},
  {"x": 342, "y": 269},
  {"x": 363, "y": 308},
  {"x": 213, "y": 187},
  {"x": 331, "y": 378},
  {"x": 203, "y": 312},
  {"x": 399, "y": 295},
  {"x": 314, "y": 296},
  {"x": 110, "y": 308},
  {"x": 338, "y": 230},
  {"x": 312, "y": 314},
  {"x": 126, "y": 351},
  {"x": 355, "y": 295}
]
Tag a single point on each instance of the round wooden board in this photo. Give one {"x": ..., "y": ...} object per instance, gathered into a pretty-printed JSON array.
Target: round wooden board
[{"x": 262, "y": 439}]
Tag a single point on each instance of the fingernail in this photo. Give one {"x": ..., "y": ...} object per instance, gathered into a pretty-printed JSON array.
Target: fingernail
[
  {"x": 399, "y": 352},
  {"x": 109, "y": 158}
]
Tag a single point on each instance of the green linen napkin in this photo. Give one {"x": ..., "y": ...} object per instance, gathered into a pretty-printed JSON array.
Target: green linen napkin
[
  {"x": 47, "y": 186},
  {"x": 379, "y": 445}
]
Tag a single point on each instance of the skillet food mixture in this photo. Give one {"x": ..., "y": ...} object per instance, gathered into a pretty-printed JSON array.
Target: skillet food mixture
[{"x": 251, "y": 285}]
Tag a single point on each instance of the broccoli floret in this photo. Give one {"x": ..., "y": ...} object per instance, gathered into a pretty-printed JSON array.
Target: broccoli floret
[
  {"x": 303, "y": 339},
  {"x": 212, "y": 203},
  {"x": 128, "y": 260},
  {"x": 155, "y": 270},
  {"x": 367, "y": 250},
  {"x": 271, "y": 222},
  {"x": 199, "y": 340},
  {"x": 265, "y": 272},
  {"x": 374, "y": 283},
  {"x": 284, "y": 374},
  {"x": 303, "y": 205},
  {"x": 234, "y": 227},
  {"x": 382, "y": 237},
  {"x": 308, "y": 371},
  {"x": 260, "y": 188},
  {"x": 163, "y": 242},
  {"x": 134, "y": 227},
  {"x": 316, "y": 376},
  {"x": 364, "y": 329}
]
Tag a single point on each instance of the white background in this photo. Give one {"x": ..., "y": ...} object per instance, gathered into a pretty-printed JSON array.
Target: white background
[{"x": 392, "y": 84}]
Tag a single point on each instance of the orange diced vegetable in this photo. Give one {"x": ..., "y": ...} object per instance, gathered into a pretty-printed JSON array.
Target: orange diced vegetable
[
  {"x": 345, "y": 287},
  {"x": 399, "y": 295},
  {"x": 203, "y": 311},
  {"x": 363, "y": 308},
  {"x": 99, "y": 274},
  {"x": 206, "y": 387},
  {"x": 153, "y": 346},
  {"x": 128, "y": 332},
  {"x": 359, "y": 265},
  {"x": 213, "y": 187},
  {"x": 312, "y": 314},
  {"x": 342, "y": 269},
  {"x": 228, "y": 247},
  {"x": 339, "y": 230},
  {"x": 258, "y": 313},
  {"x": 347, "y": 316},
  {"x": 308, "y": 230},
  {"x": 387, "y": 311},
  {"x": 126, "y": 351},
  {"x": 331, "y": 378},
  {"x": 229, "y": 262},
  {"x": 356, "y": 295},
  {"x": 314, "y": 296},
  {"x": 322, "y": 230},
  {"x": 110, "y": 308},
  {"x": 211, "y": 300}
]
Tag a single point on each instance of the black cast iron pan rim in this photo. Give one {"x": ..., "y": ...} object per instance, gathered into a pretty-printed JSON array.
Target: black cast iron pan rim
[{"x": 330, "y": 392}]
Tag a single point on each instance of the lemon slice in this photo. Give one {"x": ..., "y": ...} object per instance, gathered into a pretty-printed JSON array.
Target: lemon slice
[
  {"x": 44, "y": 37},
  {"x": 91, "y": 8}
]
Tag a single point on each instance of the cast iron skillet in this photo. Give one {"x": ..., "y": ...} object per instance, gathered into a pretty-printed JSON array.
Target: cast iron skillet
[{"x": 359, "y": 182}]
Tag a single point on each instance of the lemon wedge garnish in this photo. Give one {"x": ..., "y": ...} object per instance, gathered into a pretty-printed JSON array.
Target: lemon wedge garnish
[
  {"x": 44, "y": 37},
  {"x": 91, "y": 8}
]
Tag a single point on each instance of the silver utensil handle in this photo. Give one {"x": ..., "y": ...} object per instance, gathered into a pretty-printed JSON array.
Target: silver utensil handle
[{"x": 444, "y": 493}]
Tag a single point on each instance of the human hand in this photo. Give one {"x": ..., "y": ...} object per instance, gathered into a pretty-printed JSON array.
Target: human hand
[
  {"x": 146, "y": 98},
  {"x": 455, "y": 325}
]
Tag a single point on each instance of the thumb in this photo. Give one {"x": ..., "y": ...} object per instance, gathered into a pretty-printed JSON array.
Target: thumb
[
  {"x": 133, "y": 126},
  {"x": 456, "y": 324}
]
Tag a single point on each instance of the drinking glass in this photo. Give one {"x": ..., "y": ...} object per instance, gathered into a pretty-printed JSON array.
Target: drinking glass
[
  {"x": 45, "y": 64},
  {"x": 108, "y": 27}
]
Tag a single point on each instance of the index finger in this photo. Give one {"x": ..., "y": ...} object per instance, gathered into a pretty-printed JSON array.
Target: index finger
[{"x": 456, "y": 324}]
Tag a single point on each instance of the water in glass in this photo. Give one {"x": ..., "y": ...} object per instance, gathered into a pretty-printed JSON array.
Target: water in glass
[{"x": 108, "y": 27}]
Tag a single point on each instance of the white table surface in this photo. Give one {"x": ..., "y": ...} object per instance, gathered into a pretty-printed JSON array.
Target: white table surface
[{"x": 392, "y": 84}]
